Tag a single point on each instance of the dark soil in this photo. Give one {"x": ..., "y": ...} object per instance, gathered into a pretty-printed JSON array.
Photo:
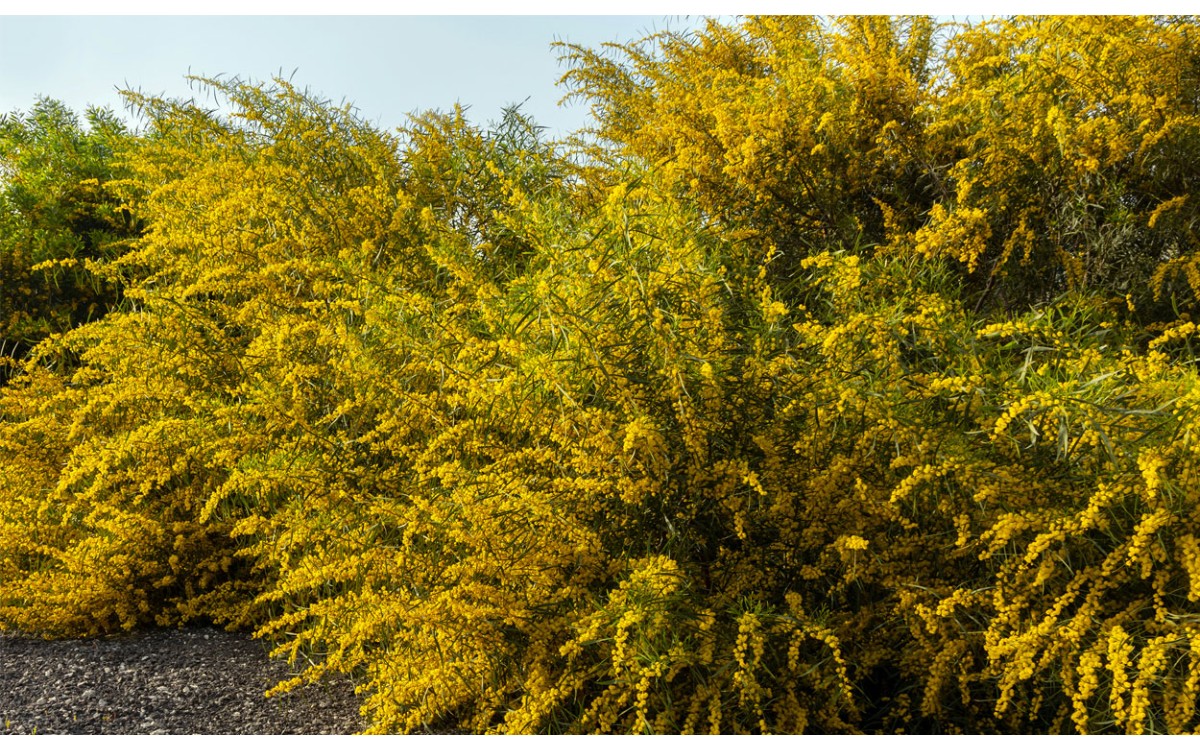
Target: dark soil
[{"x": 192, "y": 681}]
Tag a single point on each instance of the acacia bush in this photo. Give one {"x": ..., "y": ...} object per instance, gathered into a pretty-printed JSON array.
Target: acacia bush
[{"x": 744, "y": 412}]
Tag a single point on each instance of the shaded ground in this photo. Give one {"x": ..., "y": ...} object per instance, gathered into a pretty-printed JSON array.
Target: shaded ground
[{"x": 192, "y": 681}]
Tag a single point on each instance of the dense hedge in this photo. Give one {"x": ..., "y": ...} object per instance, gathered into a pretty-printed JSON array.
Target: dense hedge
[{"x": 842, "y": 379}]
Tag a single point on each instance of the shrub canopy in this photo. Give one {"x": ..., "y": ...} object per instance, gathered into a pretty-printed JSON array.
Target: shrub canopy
[{"x": 841, "y": 378}]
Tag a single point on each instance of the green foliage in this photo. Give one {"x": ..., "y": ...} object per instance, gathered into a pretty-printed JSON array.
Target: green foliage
[{"x": 58, "y": 220}]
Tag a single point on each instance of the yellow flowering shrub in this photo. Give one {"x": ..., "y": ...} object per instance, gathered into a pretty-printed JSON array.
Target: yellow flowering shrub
[
  {"x": 1074, "y": 137},
  {"x": 731, "y": 416},
  {"x": 807, "y": 134}
]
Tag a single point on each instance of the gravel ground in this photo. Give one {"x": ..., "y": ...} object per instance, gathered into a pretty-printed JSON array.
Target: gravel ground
[{"x": 191, "y": 681}]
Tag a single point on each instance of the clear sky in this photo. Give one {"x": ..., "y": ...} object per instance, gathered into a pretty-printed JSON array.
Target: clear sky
[{"x": 388, "y": 66}]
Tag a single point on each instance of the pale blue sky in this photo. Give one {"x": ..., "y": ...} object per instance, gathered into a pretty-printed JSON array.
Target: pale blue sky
[{"x": 388, "y": 66}]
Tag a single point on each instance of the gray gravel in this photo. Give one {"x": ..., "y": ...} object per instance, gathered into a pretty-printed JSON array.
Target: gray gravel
[{"x": 191, "y": 681}]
